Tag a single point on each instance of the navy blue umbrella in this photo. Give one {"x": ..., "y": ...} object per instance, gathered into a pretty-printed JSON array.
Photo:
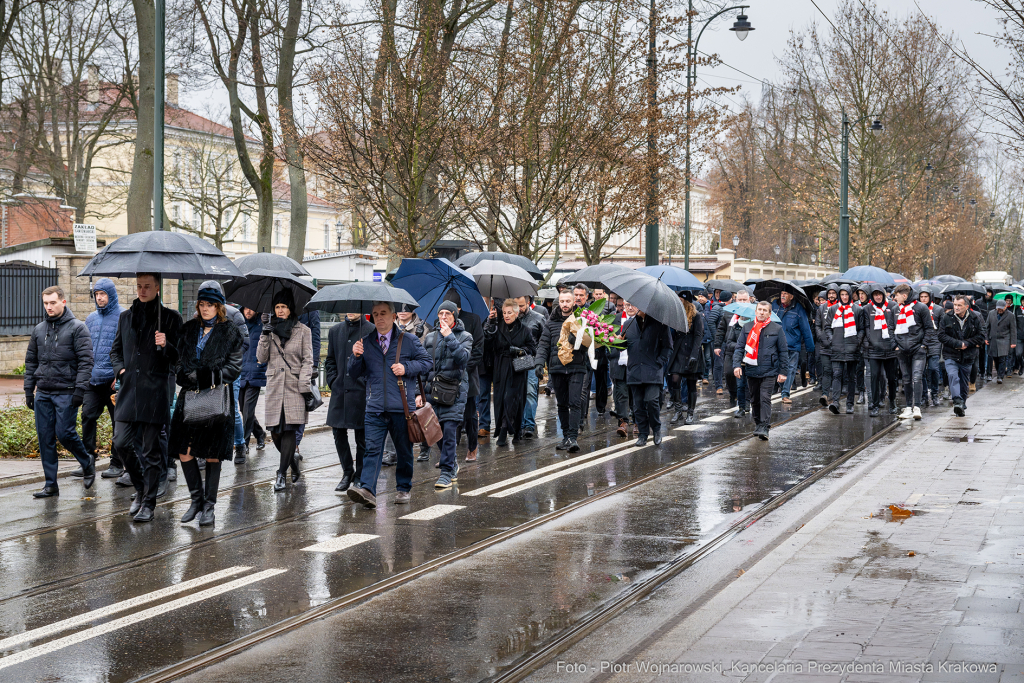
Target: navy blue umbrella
[
  {"x": 872, "y": 274},
  {"x": 430, "y": 279},
  {"x": 674, "y": 277}
]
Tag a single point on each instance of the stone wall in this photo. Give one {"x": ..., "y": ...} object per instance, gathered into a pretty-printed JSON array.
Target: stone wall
[
  {"x": 78, "y": 293},
  {"x": 12, "y": 353}
]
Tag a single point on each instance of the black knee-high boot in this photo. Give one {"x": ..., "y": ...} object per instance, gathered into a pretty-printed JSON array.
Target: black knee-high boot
[
  {"x": 190, "y": 469},
  {"x": 212, "y": 484}
]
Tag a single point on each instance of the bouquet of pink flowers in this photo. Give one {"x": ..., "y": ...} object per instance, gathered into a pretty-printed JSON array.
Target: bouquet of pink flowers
[
  {"x": 603, "y": 331},
  {"x": 591, "y": 330}
]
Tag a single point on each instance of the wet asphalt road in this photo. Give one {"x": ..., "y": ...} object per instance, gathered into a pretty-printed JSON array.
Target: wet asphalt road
[{"x": 98, "y": 598}]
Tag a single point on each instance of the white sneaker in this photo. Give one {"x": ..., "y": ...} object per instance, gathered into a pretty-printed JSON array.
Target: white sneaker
[
  {"x": 907, "y": 413},
  {"x": 917, "y": 413}
]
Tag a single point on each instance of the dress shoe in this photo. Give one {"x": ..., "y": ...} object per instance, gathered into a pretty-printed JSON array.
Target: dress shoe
[
  {"x": 483, "y": 433},
  {"x": 298, "y": 452},
  {"x": 241, "y": 451},
  {"x": 357, "y": 494},
  {"x": 124, "y": 480},
  {"x": 529, "y": 434},
  {"x": 279, "y": 484},
  {"x": 206, "y": 517},
  {"x": 161, "y": 490},
  {"x": 657, "y": 438},
  {"x": 572, "y": 446},
  {"x": 676, "y": 417},
  {"x": 641, "y": 441},
  {"x": 343, "y": 485},
  {"x": 471, "y": 455},
  {"x": 517, "y": 438},
  {"x": 90, "y": 474},
  {"x": 46, "y": 492},
  {"x": 136, "y": 505},
  {"x": 502, "y": 438},
  {"x": 112, "y": 473},
  {"x": 563, "y": 445},
  {"x": 261, "y": 444},
  {"x": 79, "y": 472},
  {"x": 623, "y": 426},
  {"x": 719, "y": 392},
  {"x": 424, "y": 456},
  {"x": 144, "y": 515},
  {"x": 787, "y": 400},
  {"x": 833, "y": 408},
  {"x": 295, "y": 470}
]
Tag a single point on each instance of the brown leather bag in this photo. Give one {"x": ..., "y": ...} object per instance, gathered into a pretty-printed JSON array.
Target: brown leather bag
[{"x": 421, "y": 424}]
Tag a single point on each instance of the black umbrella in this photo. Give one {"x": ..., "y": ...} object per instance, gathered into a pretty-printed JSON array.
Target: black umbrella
[
  {"x": 948, "y": 278},
  {"x": 596, "y": 276},
  {"x": 724, "y": 285},
  {"x": 256, "y": 290},
  {"x": 173, "y": 255},
  {"x": 838, "y": 279},
  {"x": 770, "y": 289},
  {"x": 968, "y": 288},
  {"x": 997, "y": 287},
  {"x": 651, "y": 296},
  {"x": 268, "y": 261},
  {"x": 753, "y": 281},
  {"x": 358, "y": 297},
  {"x": 469, "y": 260}
]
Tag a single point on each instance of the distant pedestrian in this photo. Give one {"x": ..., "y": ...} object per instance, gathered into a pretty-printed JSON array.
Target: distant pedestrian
[
  {"x": 726, "y": 339},
  {"x": 102, "y": 324},
  {"x": 58, "y": 367},
  {"x": 534, "y": 321},
  {"x": 687, "y": 361},
  {"x": 932, "y": 371},
  {"x": 567, "y": 377},
  {"x": 508, "y": 339},
  {"x": 961, "y": 335},
  {"x": 618, "y": 359},
  {"x": 1002, "y": 338},
  {"x": 843, "y": 333},
  {"x": 912, "y": 319},
  {"x": 347, "y": 409},
  {"x": 879, "y": 321},
  {"x": 798, "y": 332},
  {"x": 649, "y": 349},
  {"x": 760, "y": 358}
]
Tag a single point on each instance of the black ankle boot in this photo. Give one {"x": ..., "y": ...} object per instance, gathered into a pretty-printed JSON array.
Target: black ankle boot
[
  {"x": 295, "y": 469},
  {"x": 190, "y": 469},
  {"x": 502, "y": 437}
]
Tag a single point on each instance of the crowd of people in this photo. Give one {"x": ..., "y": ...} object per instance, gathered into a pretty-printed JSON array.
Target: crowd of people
[{"x": 478, "y": 376}]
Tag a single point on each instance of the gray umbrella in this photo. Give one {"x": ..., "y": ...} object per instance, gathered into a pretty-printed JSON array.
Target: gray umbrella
[
  {"x": 651, "y": 296},
  {"x": 725, "y": 286},
  {"x": 358, "y": 297},
  {"x": 256, "y": 290},
  {"x": 597, "y": 275},
  {"x": 501, "y": 280},
  {"x": 173, "y": 255},
  {"x": 469, "y": 260},
  {"x": 268, "y": 261}
]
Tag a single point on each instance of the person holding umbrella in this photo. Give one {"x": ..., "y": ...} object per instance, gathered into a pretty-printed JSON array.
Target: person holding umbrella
[
  {"x": 798, "y": 331},
  {"x": 347, "y": 409},
  {"x": 143, "y": 355},
  {"x": 508, "y": 339},
  {"x": 648, "y": 351},
  {"x": 209, "y": 355},
  {"x": 761, "y": 359},
  {"x": 286, "y": 348}
]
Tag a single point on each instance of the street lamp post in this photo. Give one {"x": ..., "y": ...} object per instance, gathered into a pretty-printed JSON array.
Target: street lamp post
[
  {"x": 741, "y": 27},
  {"x": 158, "y": 118},
  {"x": 844, "y": 189}
]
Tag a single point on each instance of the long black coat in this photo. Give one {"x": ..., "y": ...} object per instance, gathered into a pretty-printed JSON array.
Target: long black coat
[
  {"x": 219, "y": 363},
  {"x": 509, "y": 386},
  {"x": 347, "y": 409},
  {"x": 686, "y": 347},
  {"x": 471, "y": 322},
  {"x": 148, "y": 381},
  {"x": 649, "y": 346},
  {"x": 1002, "y": 331}
]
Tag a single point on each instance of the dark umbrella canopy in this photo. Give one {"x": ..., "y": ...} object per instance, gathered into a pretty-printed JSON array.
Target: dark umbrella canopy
[
  {"x": 724, "y": 285},
  {"x": 467, "y": 261},
  {"x": 872, "y": 274},
  {"x": 753, "y": 281},
  {"x": 358, "y": 297},
  {"x": 268, "y": 261},
  {"x": 997, "y": 287},
  {"x": 969, "y": 288},
  {"x": 256, "y": 290},
  {"x": 651, "y": 296},
  {"x": 677, "y": 279},
  {"x": 948, "y": 278},
  {"x": 596, "y": 275},
  {"x": 838, "y": 279},
  {"x": 173, "y": 255},
  {"x": 770, "y": 290}
]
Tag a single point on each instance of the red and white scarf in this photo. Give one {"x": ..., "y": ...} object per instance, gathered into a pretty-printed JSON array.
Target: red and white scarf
[
  {"x": 880, "y": 322},
  {"x": 735, "y": 319},
  {"x": 905, "y": 320},
  {"x": 750, "y": 357},
  {"x": 844, "y": 319}
]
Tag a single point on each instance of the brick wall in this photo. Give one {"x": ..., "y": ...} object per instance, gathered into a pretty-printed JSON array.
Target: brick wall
[{"x": 28, "y": 219}]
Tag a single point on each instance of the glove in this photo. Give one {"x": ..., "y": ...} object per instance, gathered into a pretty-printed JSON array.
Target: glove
[
  {"x": 192, "y": 377},
  {"x": 540, "y": 372},
  {"x": 78, "y": 398},
  {"x": 204, "y": 378},
  {"x": 691, "y": 366},
  {"x": 515, "y": 351},
  {"x": 267, "y": 328},
  {"x": 307, "y": 399},
  {"x": 30, "y": 401}
]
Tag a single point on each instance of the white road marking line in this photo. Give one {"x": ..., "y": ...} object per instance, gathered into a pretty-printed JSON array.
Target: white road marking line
[
  {"x": 688, "y": 428},
  {"x": 109, "y": 627},
  {"x": 432, "y": 512},
  {"x": 550, "y": 468},
  {"x": 715, "y": 418},
  {"x": 583, "y": 466},
  {"x": 110, "y": 610},
  {"x": 333, "y": 545},
  {"x": 730, "y": 410}
]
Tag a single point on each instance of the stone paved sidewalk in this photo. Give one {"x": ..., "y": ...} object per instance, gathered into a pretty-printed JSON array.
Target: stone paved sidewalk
[{"x": 938, "y": 596}]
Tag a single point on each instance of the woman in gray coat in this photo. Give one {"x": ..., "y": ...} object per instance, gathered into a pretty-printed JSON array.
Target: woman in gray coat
[
  {"x": 286, "y": 346},
  {"x": 1002, "y": 338}
]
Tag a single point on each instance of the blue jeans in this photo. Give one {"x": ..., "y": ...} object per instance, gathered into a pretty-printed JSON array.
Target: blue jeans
[
  {"x": 483, "y": 402},
  {"x": 741, "y": 392},
  {"x": 378, "y": 426},
  {"x": 932, "y": 375},
  {"x": 959, "y": 375},
  {"x": 717, "y": 370},
  {"x": 792, "y": 366},
  {"x": 55, "y": 420},
  {"x": 450, "y": 428},
  {"x": 238, "y": 416},
  {"x": 532, "y": 390},
  {"x": 709, "y": 365}
]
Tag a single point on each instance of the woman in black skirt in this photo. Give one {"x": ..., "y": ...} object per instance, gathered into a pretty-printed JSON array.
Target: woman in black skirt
[
  {"x": 508, "y": 339},
  {"x": 210, "y": 355}
]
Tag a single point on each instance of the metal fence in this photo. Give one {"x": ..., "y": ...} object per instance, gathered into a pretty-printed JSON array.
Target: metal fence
[{"x": 21, "y": 307}]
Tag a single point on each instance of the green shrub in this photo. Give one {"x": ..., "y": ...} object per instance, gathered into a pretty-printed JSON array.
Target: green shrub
[
  {"x": 20, "y": 370},
  {"x": 18, "y": 434}
]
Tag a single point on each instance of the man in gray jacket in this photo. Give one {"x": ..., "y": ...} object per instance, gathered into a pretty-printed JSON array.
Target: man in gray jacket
[
  {"x": 1002, "y": 338},
  {"x": 58, "y": 366}
]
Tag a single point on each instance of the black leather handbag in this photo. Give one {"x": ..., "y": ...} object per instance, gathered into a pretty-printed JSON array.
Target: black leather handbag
[
  {"x": 208, "y": 406},
  {"x": 443, "y": 391}
]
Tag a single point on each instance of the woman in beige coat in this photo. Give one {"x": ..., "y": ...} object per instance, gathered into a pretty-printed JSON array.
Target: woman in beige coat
[{"x": 286, "y": 346}]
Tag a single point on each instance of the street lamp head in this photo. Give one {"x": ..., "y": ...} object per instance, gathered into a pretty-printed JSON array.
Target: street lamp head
[
  {"x": 876, "y": 126},
  {"x": 735, "y": 240},
  {"x": 973, "y": 201},
  {"x": 778, "y": 249},
  {"x": 991, "y": 214},
  {"x": 742, "y": 27},
  {"x": 955, "y": 189},
  {"x": 929, "y": 169}
]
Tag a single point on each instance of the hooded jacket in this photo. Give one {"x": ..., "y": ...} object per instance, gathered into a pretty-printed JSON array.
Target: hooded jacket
[
  {"x": 875, "y": 344},
  {"x": 102, "y": 324},
  {"x": 59, "y": 356},
  {"x": 843, "y": 349},
  {"x": 913, "y": 342},
  {"x": 822, "y": 320}
]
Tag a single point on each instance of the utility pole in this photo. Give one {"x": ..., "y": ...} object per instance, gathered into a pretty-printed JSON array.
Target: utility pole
[
  {"x": 651, "y": 237},
  {"x": 158, "y": 118},
  {"x": 844, "y": 199}
]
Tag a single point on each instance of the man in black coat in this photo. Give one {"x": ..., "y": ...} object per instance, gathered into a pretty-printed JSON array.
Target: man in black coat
[
  {"x": 759, "y": 358},
  {"x": 347, "y": 409},
  {"x": 568, "y": 379},
  {"x": 58, "y": 365},
  {"x": 960, "y": 333},
  {"x": 648, "y": 350},
  {"x": 912, "y": 320},
  {"x": 143, "y": 355}
]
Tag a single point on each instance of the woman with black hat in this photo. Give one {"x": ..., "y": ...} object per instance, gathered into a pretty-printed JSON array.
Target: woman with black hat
[
  {"x": 209, "y": 356},
  {"x": 286, "y": 346},
  {"x": 508, "y": 339}
]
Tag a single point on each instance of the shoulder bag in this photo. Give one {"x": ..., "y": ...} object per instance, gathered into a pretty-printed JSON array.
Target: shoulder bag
[
  {"x": 522, "y": 363},
  {"x": 421, "y": 424},
  {"x": 207, "y": 406}
]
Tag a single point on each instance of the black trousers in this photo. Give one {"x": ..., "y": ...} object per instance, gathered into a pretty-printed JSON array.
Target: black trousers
[
  {"x": 97, "y": 397},
  {"x": 345, "y": 452},
  {"x": 247, "y": 397},
  {"x": 139, "y": 444},
  {"x": 825, "y": 374},
  {"x": 647, "y": 408},
  {"x": 585, "y": 394},
  {"x": 471, "y": 423},
  {"x": 844, "y": 372},
  {"x": 878, "y": 366},
  {"x": 601, "y": 382},
  {"x": 569, "y": 397},
  {"x": 760, "y": 391},
  {"x": 623, "y": 400}
]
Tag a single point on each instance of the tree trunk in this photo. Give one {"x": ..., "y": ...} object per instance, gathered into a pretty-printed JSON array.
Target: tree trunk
[
  {"x": 140, "y": 190},
  {"x": 292, "y": 151}
]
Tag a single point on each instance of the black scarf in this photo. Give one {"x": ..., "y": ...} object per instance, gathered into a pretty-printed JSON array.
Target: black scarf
[
  {"x": 283, "y": 327},
  {"x": 144, "y": 313}
]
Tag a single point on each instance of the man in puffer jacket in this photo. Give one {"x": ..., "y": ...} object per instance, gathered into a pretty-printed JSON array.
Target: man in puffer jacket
[
  {"x": 878, "y": 319},
  {"x": 58, "y": 366},
  {"x": 102, "y": 325}
]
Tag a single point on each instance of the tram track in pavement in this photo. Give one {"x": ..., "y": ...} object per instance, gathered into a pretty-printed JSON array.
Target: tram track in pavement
[
  {"x": 107, "y": 570},
  {"x": 354, "y": 598}
]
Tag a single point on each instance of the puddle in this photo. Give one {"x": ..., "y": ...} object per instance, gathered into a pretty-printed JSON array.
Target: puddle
[
  {"x": 967, "y": 439},
  {"x": 897, "y": 513}
]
